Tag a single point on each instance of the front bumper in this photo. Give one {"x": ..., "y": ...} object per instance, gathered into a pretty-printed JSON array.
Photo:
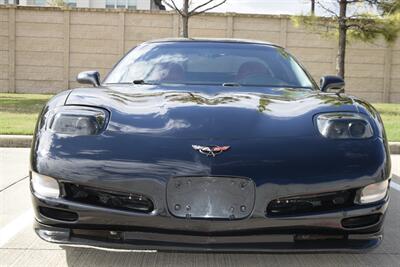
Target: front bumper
[{"x": 106, "y": 228}]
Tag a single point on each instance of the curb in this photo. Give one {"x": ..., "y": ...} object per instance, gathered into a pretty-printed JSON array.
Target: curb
[
  {"x": 26, "y": 140},
  {"x": 15, "y": 140},
  {"x": 394, "y": 147}
]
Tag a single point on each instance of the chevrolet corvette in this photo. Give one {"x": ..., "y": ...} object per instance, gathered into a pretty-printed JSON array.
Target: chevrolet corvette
[{"x": 210, "y": 145}]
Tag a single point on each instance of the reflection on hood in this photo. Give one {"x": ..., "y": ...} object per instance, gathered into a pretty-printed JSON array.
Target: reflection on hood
[
  {"x": 169, "y": 126},
  {"x": 146, "y": 100}
]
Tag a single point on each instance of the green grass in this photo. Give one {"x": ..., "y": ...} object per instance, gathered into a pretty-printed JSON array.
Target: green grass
[
  {"x": 390, "y": 114},
  {"x": 18, "y": 114}
]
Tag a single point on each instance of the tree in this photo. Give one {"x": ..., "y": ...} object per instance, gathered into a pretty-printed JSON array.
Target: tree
[
  {"x": 389, "y": 6},
  {"x": 56, "y": 3},
  {"x": 312, "y": 7},
  {"x": 188, "y": 11},
  {"x": 358, "y": 25}
]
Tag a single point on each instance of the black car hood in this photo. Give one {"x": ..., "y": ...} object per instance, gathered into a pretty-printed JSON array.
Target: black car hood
[
  {"x": 210, "y": 112},
  {"x": 152, "y": 130}
]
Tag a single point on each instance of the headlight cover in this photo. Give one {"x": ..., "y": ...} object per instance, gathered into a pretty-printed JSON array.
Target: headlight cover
[
  {"x": 344, "y": 126},
  {"x": 372, "y": 193},
  {"x": 45, "y": 186},
  {"x": 77, "y": 120}
]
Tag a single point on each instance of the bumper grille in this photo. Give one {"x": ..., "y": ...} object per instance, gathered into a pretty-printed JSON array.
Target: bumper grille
[
  {"x": 108, "y": 199},
  {"x": 311, "y": 203}
]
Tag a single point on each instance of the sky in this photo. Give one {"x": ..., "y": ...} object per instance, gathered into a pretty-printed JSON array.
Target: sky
[{"x": 277, "y": 7}]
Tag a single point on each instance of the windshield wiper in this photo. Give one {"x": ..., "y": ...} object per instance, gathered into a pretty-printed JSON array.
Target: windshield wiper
[
  {"x": 231, "y": 84},
  {"x": 277, "y": 86},
  {"x": 142, "y": 82}
]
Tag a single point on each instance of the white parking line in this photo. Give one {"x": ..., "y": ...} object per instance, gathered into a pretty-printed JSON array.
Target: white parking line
[
  {"x": 14, "y": 227},
  {"x": 395, "y": 186}
]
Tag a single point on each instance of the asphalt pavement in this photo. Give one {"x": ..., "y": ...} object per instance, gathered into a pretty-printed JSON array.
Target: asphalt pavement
[{"x": 19, "y": 246}]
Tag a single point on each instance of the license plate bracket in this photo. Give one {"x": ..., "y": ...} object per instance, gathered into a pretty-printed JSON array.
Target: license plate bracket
[{"x": 210, "y": 197}]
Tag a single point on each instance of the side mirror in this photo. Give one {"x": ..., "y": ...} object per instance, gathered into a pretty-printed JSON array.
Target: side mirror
[
  {"x": 89, "y": 77},
  {"x": 332, "y": 84}
]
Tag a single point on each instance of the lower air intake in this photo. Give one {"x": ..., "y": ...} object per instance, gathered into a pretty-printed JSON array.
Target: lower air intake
[
  {"x": 108, "y": 199},
  {"x": 361, "y": 221},
  {"x": 57, "y": 214},
  {"x": 311, "y": 203}
]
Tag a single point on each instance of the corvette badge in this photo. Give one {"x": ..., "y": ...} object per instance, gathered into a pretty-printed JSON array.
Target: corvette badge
[{"x": 210, "y": 151}]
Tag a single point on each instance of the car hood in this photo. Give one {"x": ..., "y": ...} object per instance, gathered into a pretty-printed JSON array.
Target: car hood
[
  {"x": 152, "y": 130},
  {"x": 207, "y": 112}
]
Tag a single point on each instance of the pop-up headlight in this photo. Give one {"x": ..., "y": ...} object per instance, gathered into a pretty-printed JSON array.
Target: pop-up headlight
[
  {"x": 344, "y": 126},
  {"x": 77, "y": 120}
]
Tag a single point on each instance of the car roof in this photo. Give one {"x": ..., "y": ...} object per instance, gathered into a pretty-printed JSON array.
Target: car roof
[{"x": 212, "y": 40}]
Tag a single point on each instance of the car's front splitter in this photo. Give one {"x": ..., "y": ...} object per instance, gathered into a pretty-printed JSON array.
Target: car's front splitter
[{"x": 137, "y": 240}]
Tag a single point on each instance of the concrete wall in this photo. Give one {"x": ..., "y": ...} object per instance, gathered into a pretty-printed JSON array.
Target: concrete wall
[{"x": 43, "y": 49}]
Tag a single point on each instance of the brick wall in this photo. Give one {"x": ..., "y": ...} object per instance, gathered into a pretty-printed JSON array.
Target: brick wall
[{"x": 43, "y": 49}]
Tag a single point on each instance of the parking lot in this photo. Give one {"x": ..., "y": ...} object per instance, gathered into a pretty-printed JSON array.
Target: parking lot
[{"x": 19, "y": 246}]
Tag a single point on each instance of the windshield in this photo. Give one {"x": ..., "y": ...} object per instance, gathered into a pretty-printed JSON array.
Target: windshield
[{"x": 210, "y": 63}]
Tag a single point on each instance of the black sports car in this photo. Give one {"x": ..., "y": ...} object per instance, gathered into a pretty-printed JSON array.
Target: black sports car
[{"x": 210, "y": 145}]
